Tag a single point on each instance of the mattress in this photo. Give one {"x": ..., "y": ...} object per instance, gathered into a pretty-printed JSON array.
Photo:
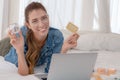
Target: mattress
[{"x": 105, "y": 59}]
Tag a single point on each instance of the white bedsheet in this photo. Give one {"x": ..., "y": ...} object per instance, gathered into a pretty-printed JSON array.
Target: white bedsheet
[
  {"x": 105, "y": 59},
  {"x": 108, "y": 59},
  {"x": 8, "y": 71}
]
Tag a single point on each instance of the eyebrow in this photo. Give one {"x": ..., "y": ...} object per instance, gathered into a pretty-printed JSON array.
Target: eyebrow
[{"x": 40, "y": 17}]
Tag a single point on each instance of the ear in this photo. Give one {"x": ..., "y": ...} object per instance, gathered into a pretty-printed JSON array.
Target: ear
[{"x": 27, "y": 25}]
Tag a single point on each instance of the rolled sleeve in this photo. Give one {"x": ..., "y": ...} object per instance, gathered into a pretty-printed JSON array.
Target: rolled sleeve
[
  {"x": 12, "y": 56},
  {"x": 58, "y": 42}
]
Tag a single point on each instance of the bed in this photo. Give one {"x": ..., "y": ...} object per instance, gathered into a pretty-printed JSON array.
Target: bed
[{"x": 107, "y": 46}]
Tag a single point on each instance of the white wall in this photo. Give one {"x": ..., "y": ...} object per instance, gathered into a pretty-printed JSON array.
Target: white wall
[
  {"x": 4, "y": 17},
  {"x": 13, "y": 11},
  {"x": 1, "y": 11},
  {"x": 1, "y": 14},
  {"x": 9, "y": 13}
]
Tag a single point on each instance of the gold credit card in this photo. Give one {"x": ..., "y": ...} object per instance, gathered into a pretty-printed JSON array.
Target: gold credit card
[{"x": 71, "y": 27}]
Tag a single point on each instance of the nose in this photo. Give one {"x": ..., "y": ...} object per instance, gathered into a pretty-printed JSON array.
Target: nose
[{"x": 40, "y": 24}]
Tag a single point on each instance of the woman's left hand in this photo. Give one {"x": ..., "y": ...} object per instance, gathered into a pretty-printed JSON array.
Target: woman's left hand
[{"x": 71, "y": 42}]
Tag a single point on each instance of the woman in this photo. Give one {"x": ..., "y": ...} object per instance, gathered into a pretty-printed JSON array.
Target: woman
[{"x": 37, "y": 41}]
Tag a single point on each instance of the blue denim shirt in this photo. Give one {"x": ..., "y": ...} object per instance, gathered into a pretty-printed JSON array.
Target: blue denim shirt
[{"x": 52, "y": 45}]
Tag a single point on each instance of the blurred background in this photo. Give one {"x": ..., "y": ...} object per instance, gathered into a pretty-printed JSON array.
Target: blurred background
[{"x": 88, "y": 15}]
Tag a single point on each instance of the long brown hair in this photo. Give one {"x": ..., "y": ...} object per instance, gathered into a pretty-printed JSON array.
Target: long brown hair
[{"x": 33, "y": 52}]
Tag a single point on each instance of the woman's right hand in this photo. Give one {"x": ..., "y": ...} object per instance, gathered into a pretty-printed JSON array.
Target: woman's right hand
[
  {"x": 70, "y": 42},
  {"x": 17, "y": 41}
]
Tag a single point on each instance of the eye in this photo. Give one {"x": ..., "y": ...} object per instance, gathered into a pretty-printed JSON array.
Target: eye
[
  {"x": 44, "y": 18},
  {"x": 35, "y": 21}
]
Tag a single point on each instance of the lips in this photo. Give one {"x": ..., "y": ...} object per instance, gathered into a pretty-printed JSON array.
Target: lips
[{"x": 43, "y": 30}]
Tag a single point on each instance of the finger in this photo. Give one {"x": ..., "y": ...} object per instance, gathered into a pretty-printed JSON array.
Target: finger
[
  {"x": 72, "y": 38},
  {"x": 12, "y": 36},
  {"x": 70, "y": 41},
  {"x": 74, "y": 44},
  {"x": 76, "y": 36},
  {"x": 20, "y": 34},
  {"x": 9, "y": 33},
  {"x": 12, "y": 41}
]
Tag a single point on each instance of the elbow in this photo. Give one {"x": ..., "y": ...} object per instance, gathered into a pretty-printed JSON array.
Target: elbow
[{"x": 23, "y": 73}]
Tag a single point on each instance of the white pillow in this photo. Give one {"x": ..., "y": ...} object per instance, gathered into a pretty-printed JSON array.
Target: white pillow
[
  {"x": 95, "y": 41},
  {"x": 91, "y": 41},
  {"x": 112, "y": 42}
]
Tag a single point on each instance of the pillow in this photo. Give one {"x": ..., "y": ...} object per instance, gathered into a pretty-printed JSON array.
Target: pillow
[
  {"x": 96, "y": 41},
  {"x": 5, "y": 46},
  {"x": 91, "y": 41},
  {"x": 112, "y": 42},
  {"x": 99, "y": 41}
]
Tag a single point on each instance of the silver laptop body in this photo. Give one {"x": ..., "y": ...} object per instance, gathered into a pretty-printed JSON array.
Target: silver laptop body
[{"x": 76, "y": 66}]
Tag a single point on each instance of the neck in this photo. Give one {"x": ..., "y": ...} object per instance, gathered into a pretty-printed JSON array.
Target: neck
[{"x": 40, "y": 39}]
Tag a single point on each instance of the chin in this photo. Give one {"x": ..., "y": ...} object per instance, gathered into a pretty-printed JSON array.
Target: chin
[{"x": 44, "y": 33}]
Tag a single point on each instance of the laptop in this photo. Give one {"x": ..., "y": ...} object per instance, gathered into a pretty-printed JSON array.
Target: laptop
[
  {"x": 72, "y": 66},
  {"x": 76, "y": 66}
]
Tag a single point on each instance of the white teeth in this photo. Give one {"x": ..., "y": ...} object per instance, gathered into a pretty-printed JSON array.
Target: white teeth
[{"x": 41, "y": 29}]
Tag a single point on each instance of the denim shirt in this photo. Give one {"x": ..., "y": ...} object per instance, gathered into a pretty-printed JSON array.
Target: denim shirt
[{"x": 52, "y": 45}]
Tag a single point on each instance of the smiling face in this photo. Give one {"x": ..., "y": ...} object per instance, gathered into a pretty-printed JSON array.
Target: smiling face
[{"x": 38, "y": 22}]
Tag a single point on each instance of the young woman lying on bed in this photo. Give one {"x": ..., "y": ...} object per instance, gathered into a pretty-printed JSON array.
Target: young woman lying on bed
[{"x": 37, "y": 41}]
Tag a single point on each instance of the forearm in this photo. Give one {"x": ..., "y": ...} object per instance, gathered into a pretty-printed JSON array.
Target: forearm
[
  {"x": 64, "y": 49},
  {"x": 22, "y": 65}
]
